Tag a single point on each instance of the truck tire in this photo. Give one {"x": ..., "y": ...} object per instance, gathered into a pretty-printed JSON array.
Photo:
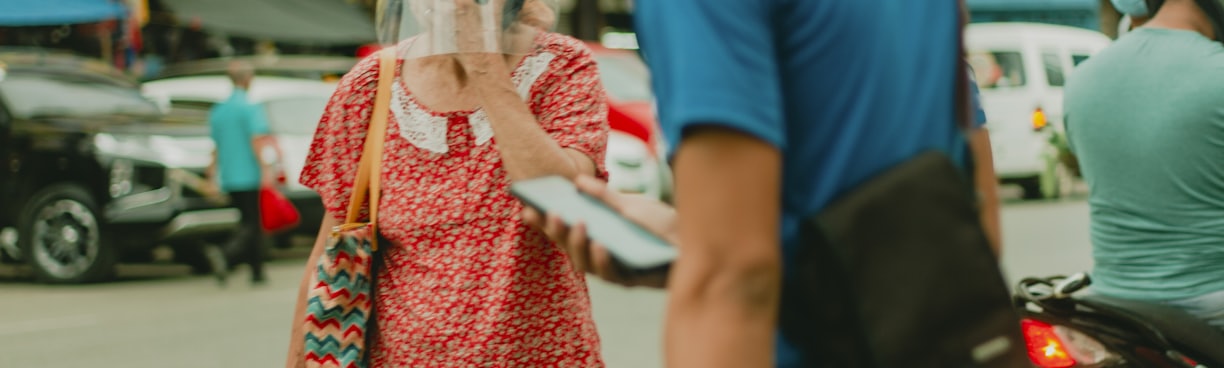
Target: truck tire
[{"x": 63, "y": 237}]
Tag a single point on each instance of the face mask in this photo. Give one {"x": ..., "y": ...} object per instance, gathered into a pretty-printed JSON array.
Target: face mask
[{"x": 1134, "y": 8}]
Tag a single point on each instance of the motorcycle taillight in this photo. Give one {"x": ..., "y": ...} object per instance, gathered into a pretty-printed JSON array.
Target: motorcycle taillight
[
  {"x": 1063, "y": 347},
  {"x": 1045, "y": 348}
]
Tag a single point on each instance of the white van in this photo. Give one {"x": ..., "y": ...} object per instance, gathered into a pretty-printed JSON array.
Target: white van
[{"x": 1021, "y": 69}]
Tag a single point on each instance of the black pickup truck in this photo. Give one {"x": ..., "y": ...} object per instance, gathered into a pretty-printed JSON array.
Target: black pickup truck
[{"x": 92, "y": 173}]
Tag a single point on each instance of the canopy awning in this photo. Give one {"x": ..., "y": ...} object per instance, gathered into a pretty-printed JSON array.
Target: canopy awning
[
  {"x": 311, "y": 22},
  {"x": 23, "y": 13}
]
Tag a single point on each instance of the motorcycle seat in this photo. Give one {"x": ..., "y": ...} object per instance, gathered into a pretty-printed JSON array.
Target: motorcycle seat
[{"x": 1178, "y": 326}]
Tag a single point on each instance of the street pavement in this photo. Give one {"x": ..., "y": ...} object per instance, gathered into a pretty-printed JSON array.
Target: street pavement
[{"x": 162, "y": 317}]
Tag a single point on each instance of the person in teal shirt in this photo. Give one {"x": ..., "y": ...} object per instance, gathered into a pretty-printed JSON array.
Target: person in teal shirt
[
  {"x": 1145, "y": 117},
  {"x": 240, "y": 130}
]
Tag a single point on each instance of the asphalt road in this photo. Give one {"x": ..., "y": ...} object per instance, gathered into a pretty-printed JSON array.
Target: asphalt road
[{"x": 161, "y": 317}]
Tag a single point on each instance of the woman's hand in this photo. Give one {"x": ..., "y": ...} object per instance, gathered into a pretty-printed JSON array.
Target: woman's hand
[
  {"x": 537, "y": 14},
  {"x": 587, "y": 256},
  {"x": 483, "y": 40},
  {"x": 478, "y": 35},
  {"x": 474, "y": 28}
]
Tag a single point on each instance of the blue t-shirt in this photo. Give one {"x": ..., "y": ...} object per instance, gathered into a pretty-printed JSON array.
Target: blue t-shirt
[
  {"x": 235, "y": 123},
  {"x": 845, "y": 88}
]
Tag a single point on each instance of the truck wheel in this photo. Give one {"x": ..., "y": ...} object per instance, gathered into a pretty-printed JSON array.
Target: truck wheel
[{"x": 62, "y": 237}]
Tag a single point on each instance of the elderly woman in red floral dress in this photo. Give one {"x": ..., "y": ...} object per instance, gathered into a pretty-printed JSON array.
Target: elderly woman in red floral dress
[{"x": 465, "y": 282}]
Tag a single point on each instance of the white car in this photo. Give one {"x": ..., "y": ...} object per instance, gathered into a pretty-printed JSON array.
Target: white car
[
  {"x": 1021, "y": 69},
  {"x": 293, "y": 107}
]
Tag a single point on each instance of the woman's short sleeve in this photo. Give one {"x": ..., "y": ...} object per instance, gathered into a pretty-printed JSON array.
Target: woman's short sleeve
[
  {"x": 336, "y": 149},
  {"x": 573, "y": 105}
]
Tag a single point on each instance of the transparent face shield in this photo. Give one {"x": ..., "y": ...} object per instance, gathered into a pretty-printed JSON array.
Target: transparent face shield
[{"x": 424, "y": 28}]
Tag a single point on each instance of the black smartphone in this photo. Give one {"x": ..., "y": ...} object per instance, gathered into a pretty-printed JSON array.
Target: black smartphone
[{"x": 636, "y": 249}]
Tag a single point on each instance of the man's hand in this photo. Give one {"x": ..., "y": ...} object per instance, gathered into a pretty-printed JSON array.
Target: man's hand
[
  {"x": 587, "y": 256},
  {"x": 272, "y": 176}
]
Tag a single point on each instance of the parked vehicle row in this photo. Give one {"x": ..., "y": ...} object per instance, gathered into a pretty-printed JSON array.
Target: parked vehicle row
[
  {"x": 92, "y": 173},
  {"x": 98, "y": 169}
]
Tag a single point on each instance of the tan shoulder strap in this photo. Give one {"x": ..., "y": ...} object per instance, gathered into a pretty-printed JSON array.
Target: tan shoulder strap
[{"x": 369, "y": 170}]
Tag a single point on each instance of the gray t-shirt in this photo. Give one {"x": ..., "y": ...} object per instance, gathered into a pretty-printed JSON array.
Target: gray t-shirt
[{"x": 1146, "y": 119}]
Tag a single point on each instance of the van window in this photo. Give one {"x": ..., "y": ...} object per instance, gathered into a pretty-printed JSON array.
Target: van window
[
  {"x": 1076, "y": 59},
  {"x": 998, "y": 69},
  {"x": 1053, "y": 69}
]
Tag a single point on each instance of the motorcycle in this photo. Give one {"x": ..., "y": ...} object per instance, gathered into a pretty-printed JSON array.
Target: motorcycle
[{"x": 1066, "y": 327}]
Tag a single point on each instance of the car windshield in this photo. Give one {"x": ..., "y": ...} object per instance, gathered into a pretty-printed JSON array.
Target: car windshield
[
  {"x": 998, "y": 69},
  {"x": 624, "y": 76},
  {"x": 295, "y": 116},
  {"x": 29, "y": 96}
]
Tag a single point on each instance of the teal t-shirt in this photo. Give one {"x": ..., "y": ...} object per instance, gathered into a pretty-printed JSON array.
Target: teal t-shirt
[
  {"x": 234, "y": 124},
  {"x": 1145, "y": 117}
]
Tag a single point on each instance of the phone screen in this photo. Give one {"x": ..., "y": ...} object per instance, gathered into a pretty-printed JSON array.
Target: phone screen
[{"x": 631, "y": 245}]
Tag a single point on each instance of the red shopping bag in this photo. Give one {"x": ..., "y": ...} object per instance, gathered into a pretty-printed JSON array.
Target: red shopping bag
[{"x": 276, "y": 213}]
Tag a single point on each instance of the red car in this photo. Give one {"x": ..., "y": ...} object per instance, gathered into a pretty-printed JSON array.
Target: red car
[{"x": 636, "y": 150}]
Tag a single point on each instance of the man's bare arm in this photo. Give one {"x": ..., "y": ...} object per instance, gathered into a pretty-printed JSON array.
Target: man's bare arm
[{"x": 726, "y": 285}]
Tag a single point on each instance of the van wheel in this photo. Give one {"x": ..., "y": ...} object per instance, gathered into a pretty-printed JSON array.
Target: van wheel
[
  {"x": 62, "y": 237},
  {"x": 1031, "y": 188}
]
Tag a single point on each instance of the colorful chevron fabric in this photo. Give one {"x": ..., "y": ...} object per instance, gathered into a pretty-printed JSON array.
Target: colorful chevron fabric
[{"x": 339, "y": 302}]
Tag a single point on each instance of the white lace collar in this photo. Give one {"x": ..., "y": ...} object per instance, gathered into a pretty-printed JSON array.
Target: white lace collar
[{"x": 428, "y": 131}]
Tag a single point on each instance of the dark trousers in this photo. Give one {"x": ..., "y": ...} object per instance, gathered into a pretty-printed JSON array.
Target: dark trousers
[{"x": 246, "y": 245}]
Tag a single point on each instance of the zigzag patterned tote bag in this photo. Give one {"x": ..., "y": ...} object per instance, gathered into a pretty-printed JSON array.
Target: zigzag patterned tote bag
[{"x": 339, "y": 324}]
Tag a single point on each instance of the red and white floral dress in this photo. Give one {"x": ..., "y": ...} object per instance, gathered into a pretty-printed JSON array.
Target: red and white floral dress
[{"x": 466, "y": 283}]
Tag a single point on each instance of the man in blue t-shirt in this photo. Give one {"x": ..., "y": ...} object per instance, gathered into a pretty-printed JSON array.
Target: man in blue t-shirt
[
  {"x": 775, "y": 107},
  {"x": 239, "y": 129}
]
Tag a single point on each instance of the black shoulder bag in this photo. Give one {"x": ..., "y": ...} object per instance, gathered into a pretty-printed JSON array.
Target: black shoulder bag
[{"x": 899, "y": 273}]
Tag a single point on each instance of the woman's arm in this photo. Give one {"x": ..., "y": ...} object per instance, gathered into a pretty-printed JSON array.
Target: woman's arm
[
  {"x": 297, "y": 343},
  {"x": 527, "y": 150},
  {"x": 330, "y": 169}
]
